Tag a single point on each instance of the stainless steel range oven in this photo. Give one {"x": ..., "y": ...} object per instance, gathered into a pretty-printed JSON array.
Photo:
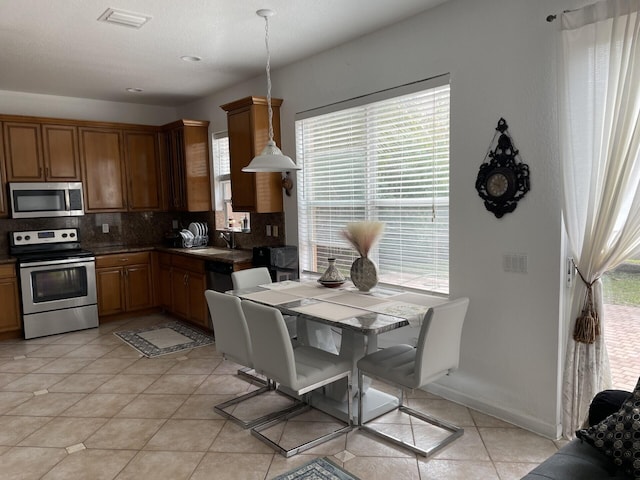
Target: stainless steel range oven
[{"x": 57, "y": 281}]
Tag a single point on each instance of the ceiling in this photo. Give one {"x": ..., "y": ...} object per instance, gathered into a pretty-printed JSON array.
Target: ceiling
[{"x": 60, "y": 48}]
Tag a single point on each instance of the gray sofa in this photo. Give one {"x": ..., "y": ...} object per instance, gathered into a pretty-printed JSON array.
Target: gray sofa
[{"x": 577, "y": 460}]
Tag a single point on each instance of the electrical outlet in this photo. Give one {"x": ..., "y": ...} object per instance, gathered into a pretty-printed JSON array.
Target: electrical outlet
[
  {"x": 274, "y": 230},
  {"x": 268, "y": 230},
  {"x": 105, "y": 228},
  {"x": 174, "y": 224}
]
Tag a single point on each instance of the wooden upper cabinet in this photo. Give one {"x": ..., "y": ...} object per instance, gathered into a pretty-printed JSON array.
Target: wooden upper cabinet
[
  {"x": 143, "y": 170},
  {"x": 248, "y": 127},
  {"x": 23, "y": 152},
  {"x": 41, "y": 152},
  {"x": 103, "y": 170},
  {"x": 61, "y": 157},
  {"x": 187, "y": 151},
  {"x": 4, "y": 211}
]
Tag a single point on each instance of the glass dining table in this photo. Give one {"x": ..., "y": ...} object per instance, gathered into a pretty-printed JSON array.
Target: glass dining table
[{"x": 359, "y": 317}]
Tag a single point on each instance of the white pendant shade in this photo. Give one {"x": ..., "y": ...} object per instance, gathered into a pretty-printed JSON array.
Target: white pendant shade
[{"x": 271, "y": 159}]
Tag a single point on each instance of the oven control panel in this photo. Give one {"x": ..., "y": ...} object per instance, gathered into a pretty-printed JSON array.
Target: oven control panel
[{"x": 43, "y": 237}]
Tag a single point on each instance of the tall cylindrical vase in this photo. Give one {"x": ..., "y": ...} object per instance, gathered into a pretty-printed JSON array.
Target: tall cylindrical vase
[{"x": 364, "y": 274}]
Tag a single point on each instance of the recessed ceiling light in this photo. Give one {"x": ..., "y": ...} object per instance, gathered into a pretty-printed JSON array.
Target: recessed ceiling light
[
  {"x": 134, "y": 90},
  {"x": 191, "y": 58}
]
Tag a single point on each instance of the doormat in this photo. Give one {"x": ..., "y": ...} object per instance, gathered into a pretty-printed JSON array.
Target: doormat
[
  {"x": 165, "y": 338},
  {"x": 318, "y": 469}
]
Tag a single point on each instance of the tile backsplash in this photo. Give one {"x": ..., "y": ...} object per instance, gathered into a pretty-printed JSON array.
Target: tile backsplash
[{"x": 144, "y": 228}]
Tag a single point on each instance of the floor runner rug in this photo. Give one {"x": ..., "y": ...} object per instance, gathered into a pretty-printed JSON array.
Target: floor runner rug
[
  {"x": 318, "y": 469},
  {"x": 165, "y": 338}
]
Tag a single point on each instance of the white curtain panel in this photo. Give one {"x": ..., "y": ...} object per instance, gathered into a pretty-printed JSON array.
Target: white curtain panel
[{"x": 600, "y": 137}]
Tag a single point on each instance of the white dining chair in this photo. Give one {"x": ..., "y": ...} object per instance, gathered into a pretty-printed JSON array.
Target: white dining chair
[
  {"x": 254, "y": 277},
  {"x": 233, "y": 342},
  {"x": 306, "y": 332},
  {"x": 250, "y": 277},
  {"x": 436, "y": 354},
  {"x": 300, "y": 370}
]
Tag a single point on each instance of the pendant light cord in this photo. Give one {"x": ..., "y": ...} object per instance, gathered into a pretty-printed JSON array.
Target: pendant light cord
[{"x": 270, "y": 110}]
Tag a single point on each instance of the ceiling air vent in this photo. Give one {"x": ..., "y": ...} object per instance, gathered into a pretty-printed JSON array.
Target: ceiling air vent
[{"x": 126, "y": 19}]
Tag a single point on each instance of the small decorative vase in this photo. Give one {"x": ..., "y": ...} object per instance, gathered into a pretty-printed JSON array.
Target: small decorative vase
[
  {"x": 364, "y": 274},
  {"x": 332, "y": 276}
]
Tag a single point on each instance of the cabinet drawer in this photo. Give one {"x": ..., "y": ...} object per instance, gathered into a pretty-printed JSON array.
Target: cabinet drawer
[
  {"x": 193, "y": 264},
  {"x": 7, "y": 271},
  {"x": 120, "y": 259}
]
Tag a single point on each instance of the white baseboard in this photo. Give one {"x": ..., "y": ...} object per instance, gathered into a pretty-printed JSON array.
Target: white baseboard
[{"x": 535, "y": 425}]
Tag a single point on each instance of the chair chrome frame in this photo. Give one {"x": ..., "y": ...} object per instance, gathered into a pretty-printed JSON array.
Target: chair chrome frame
[
  {"x": 256, "y": 431},
  {"x": 268, "y": 386},
  {"x": 455, "y": 430}
]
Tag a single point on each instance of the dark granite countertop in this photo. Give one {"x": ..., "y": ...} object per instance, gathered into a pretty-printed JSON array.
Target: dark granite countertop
[
  {"x": 212, "y": 253},
  {"x": 205, "y": 253},
  {"x": 114, "y": 249}
]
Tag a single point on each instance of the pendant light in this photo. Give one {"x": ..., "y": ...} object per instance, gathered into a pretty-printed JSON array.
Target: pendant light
[{"x": 271, "y": 159}]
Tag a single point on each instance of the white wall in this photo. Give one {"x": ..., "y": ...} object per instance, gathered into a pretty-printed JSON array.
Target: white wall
[
  {"x": 501, "y": 55},
  {"x": 19, "y": 103}
]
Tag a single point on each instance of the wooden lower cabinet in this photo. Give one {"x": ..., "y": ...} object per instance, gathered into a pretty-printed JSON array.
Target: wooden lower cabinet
[
  {"x": 188, "y": 281},
  {"x": 182, "y": 282},
  {"x": 124, "y": 283},
  {"x": 10, "y": 320}
]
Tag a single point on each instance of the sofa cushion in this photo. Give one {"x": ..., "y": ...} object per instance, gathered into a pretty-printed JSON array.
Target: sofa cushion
[
  {"x": 605, "y": 403},
  {"x": 618, "y": 435}
]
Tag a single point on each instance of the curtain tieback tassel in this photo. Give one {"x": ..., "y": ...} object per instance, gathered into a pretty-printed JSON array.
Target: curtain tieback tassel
[{"x": 587, "y": 327}]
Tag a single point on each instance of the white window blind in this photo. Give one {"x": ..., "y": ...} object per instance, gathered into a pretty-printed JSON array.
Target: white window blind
[{"x": 387, "y": 160}]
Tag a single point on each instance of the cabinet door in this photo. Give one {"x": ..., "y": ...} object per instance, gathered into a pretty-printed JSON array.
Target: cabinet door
[
  {"x": 143, "y": 172},
  {"x": 175, "y": 165},
  {"x": 23, "y": 152},
  {"x": 110, "y": 286},
  {"x": 138, "y": 289},
  {"x": 248, "y": 126},
  {"x": 187, "y": 163},
  {"x": 197, "y": 183},
  {"x": 4, "y": 210},
  {"x": 10, "y": 318},
  {"x": 61, "y": 158},
  {"x": 180, "y": 292},
  {"x": 198, "y": 311},
  {"x": 241, "y": 152},
  {"x": 103, "y": 170},
  {"x": 164, "y": 272}
]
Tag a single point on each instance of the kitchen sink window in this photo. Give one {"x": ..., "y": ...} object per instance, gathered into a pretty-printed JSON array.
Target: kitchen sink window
[
  {"x": 381, "y": 157},
  {"x": 222, "y": 182}
]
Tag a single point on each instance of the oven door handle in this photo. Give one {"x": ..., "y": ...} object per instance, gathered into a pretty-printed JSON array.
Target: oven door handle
[{"x": 65, "y": 261}]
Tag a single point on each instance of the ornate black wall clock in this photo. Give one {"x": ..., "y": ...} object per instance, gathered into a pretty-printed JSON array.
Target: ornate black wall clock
[{"x": 502, "y": 180}]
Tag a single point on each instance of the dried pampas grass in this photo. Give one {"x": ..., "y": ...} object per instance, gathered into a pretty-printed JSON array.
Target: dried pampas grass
[{"x": 363, "y": 235}]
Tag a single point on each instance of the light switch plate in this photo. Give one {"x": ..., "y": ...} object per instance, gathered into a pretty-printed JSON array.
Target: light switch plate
[{"x": 105, "y": 228}]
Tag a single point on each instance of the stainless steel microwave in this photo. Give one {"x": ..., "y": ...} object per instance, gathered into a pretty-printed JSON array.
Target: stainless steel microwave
[{"x": 46, "y": 199}]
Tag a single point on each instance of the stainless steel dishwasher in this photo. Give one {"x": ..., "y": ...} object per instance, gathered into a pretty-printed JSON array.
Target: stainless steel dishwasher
[{"x": 219, "y": 275}]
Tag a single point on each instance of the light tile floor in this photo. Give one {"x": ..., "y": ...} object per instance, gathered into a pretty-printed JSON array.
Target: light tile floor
[{"x": 83, "y": 405}]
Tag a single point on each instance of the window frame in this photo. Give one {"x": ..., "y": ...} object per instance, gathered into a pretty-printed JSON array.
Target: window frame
[{"x": 313, "y": 261}]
